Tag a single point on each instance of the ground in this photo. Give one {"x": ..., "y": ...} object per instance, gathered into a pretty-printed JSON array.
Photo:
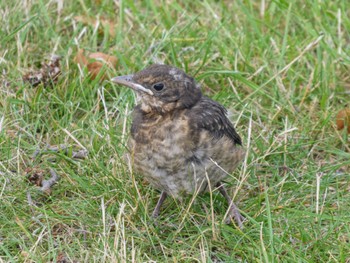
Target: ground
[{"x": 281, "y": 68}]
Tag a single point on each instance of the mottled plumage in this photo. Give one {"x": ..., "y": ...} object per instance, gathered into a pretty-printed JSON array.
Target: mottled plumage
[{"x": 179, "y": 138}]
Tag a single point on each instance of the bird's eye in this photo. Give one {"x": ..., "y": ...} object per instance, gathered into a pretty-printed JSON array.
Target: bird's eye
[{"x": 158, "y": 86}]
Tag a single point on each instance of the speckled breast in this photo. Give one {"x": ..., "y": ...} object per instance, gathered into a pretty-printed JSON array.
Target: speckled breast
[{"x": 165, "y": 152}]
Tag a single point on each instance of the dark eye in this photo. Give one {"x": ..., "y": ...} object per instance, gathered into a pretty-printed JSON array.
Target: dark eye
[{"x": 158, "y": 86}]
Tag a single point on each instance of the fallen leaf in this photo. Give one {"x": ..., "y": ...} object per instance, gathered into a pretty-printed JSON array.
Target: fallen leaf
[
  {"x": 343, "y": 119},
  {"x": 80, "y": 58},
  {"x": 104, "y": 22},
  {"x": 48, "y": 73},
  {"x": 96, "y": 68},
  {"x": 97, "y": 63},
  {"x": 104, "y": 57}
]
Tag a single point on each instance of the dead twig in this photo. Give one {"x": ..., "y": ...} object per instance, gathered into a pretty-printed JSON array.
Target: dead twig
[
  {"x": 81, "y": 154},
  {"x": 29, "y": 199},
  {"x": 47, "y": 184},
  {"x": 36, "y": 177}
]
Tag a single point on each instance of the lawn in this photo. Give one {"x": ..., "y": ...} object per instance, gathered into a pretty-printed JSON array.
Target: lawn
[{"x": 281, "y": 68}]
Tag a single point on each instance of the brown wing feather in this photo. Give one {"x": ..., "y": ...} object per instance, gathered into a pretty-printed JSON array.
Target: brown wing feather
[{"x": 211, "y": 116}]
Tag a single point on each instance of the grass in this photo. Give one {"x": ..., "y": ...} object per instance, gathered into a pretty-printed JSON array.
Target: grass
[{"x": 280, "y": 67}]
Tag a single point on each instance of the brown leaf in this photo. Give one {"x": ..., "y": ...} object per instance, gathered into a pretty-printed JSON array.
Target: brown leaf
[
  {"x": 104, "y": 22},
  {"x": 96, "y": 63},
  {"x": 80, "y": 58},
  {"x": 111, "y": 60},
  {"x": 95, "y": 68},
  {"x": 343, "y": 119}
]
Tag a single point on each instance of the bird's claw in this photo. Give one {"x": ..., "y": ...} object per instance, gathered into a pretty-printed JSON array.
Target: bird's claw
[{"x": 236, "y": 215}]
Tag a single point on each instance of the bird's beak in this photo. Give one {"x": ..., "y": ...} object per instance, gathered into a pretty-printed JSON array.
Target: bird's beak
[{"x": 128, "y": 81}]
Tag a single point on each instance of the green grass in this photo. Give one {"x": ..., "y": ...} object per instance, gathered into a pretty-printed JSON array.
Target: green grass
[{"x": 282, "y": 93}]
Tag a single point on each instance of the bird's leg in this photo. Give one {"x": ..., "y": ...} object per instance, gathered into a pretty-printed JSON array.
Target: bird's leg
[
  {"x": 161, "y": 199},
  {"x": 233, "y": 210}
]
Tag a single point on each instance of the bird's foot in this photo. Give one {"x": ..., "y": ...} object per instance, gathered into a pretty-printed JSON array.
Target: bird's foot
[
  {"x": 234, "y": 213},
  {"x": 233, "y": 209},
  {"x": 155, "y": 213},
  {"x": 156, "y": 210}
]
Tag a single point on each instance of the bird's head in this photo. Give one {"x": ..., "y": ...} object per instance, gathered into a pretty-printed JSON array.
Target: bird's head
[{"x": 162, "y": 88}]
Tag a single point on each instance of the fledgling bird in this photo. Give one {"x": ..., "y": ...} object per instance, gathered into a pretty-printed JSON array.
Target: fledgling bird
[{"x": 181, "y": 140}]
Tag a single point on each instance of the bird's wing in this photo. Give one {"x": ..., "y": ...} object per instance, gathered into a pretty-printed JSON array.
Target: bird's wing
[{"x": 211, "y": 116}]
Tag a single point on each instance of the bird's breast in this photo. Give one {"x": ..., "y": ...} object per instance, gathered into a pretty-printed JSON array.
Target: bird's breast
[
  {"x": 160, "y": 149},
  {"x": 165, "y": 136},
  {"x": 175, "y": 158}
]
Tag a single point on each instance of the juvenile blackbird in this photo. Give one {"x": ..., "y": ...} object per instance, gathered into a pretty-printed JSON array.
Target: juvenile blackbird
[{"x": 180, "y": 140}]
